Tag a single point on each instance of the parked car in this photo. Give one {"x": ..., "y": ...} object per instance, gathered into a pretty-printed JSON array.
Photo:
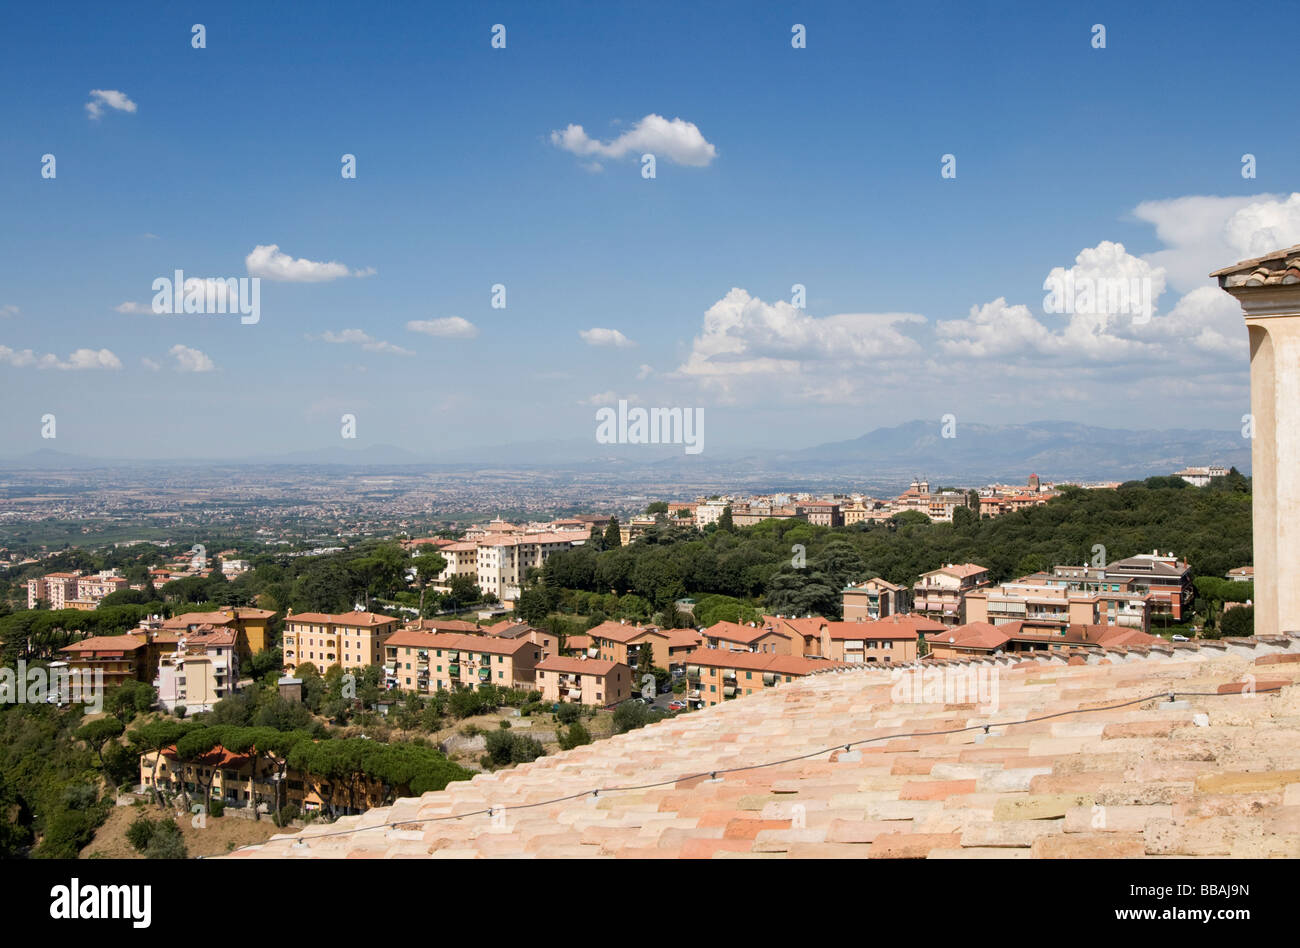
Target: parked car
[
  {"x": 677, "y": 705},
  {"x": 1181, "y": 638}
]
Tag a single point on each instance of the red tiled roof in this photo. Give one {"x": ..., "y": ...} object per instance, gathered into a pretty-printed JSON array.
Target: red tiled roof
[
  {"x": 569, "y": 665},
  {"x": 620, "y": 632},
  {"x": 105, "y": 643},
  {"x": 977, "y": 635},
  {"x": 490, "y": 645},
  {"x": 353, "y": 619},
  {"x": 744, "y": 634},
  {"x": 759, "y": 661}
]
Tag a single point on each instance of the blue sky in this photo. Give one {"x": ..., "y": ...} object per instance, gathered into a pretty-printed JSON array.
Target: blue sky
[{"x": 824, "y": 170}]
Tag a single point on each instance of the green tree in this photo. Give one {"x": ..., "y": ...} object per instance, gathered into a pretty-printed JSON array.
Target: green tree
[
  {"x": 428, "y": 566},
  {"x": 613, "y": 538},
  {"x": 1239, "y": 621},
  {"x": 99, "y": 732}
]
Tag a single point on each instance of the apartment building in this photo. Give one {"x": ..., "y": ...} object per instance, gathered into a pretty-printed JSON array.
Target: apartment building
[
  {"x": 621, "y": 642},
  {"x": 874, "y": 599},
  {"x": 250, "y": 625},
  {"x": 121, "y": 658},
  {"x": 771, "y": 639},
  {"x": 511, "y": 629},
  {"x": 426, "y": 662},
  {"x": 1038, "y": 602},
  {"x": 805, "y": 634},
  {"x": 91, "y": 590},
  {"x": 709, "y": 511},
  {"x": 821, "y": 513},
  {"x": 575, "y": 645},
  {"x": 350, "y": 639},
  {"x": 634, "y": 529},
  {"x": 1165, "y": 578},
  {"x": 502, "y": 562},
  {"x": 203, "y": 669},
  {"x": 590, "y": 681},
  {"x": 864, "y": 642},
  {"x": 717, "y": 675},
  {"x": 238, "y": 780},
  {"x": 462, "y": 560},
  {"x": 74, "y": 590},
  {"x": 940, "y": 594}
]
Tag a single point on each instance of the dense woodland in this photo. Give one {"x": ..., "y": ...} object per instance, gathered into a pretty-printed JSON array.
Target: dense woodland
[{"x": 791, "y": 567}]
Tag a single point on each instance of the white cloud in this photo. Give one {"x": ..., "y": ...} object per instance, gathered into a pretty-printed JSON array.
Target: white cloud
[
  {"x": 1104, "y": 327},
  {"x": 777, "y": 347},
  {"x": 149, "y": 364},
  {"x": 1202, "y": 234},
  {"x": 450, "y": 327},
  {"x": 358, "y": 337},
  {"x": 679, "y": 141},
  {"x": 79, "y": 359},
  {"x": 9, "y": 310},
  {"x": 269, "y": 262},
  {"x": 190, "y": 360},
  {"x": 110, "y": 98},
  {"x": 644, "y": 372},
  {"x": 605, "y": 337},
  {"x": 135, "y": 309},
  {"x": 607, "y": 398},
  {"x": 1207, "y": 318}
]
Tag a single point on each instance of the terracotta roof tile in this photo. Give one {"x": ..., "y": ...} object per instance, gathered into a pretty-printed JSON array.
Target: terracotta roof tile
[{"x": 1203, "y": 776}]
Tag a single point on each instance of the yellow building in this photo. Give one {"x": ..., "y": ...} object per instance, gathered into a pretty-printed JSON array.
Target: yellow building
[
  {"x": 249, "y": 624},
  {"x": 349, "y": 639}
]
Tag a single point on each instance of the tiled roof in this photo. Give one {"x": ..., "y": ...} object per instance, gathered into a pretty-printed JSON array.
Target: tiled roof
[
  {"x": 1206, "y": 775},
  {"x": 187, "y": 619},
  {"x": 485, "y": 644},
  {"x": 105, "y": 643},
  {"x": 980, "y": 635},
  {"x": 914, "y": 622},
  {"x": 758, "y": 661},
  {"x": 582, "y": 666},
  {"x": 961, "y": 570},
  {"x": 854, "y": 631},
  {"x": 735, "y": 632},
  {"x": 351, "y": 619},
  {"x": 445, "y": 625},
  {"x": 619, "y": 632},
  {"x": 1277, "y": 268}
]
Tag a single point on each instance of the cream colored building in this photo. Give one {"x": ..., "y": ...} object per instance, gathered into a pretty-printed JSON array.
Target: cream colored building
[
  {"x": 583, "y": 681},
  {"x": 203, "y": 669},
  {"x": 1268, "y": 289}
]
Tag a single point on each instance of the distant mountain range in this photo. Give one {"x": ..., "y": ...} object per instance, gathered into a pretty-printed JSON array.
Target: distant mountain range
[{"x": 1056, "y": 450}]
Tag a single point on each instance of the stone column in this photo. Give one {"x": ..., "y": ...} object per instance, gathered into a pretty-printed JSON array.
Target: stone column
[{"x": 1268, "y": 289}]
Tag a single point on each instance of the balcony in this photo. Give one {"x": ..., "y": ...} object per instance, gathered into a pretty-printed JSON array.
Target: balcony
[
  {"x": 485, "y": 674},
  {"x": 453, "y": 669}
]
